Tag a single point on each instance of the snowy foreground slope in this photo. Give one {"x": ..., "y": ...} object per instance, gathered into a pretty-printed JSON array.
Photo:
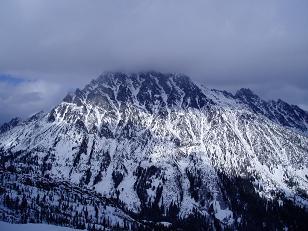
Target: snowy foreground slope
[
  {"x": 4, "y": 226},
  {"x": 157, "y": 151}
]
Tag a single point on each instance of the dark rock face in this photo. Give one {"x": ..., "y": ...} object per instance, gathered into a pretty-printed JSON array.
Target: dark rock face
[
  {"x": 278, "y": 111},
  {"x": 9, "y": 125},
  {"x": 154, "y": 151}
]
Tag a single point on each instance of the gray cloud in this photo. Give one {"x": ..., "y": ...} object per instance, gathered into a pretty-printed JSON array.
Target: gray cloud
[
  {"x": 225, "y": 44},
  {"x": 28, "y": 97}
]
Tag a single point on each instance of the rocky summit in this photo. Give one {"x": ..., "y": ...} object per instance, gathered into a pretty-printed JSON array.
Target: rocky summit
[{"x": 155, "y": 151}]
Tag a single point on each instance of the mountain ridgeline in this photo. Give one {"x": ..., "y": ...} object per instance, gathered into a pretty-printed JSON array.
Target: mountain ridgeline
[{"x": 154, "y": 151}]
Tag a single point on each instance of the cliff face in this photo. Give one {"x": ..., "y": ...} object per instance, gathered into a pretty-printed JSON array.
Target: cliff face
[{"x": 158, "y": 150}]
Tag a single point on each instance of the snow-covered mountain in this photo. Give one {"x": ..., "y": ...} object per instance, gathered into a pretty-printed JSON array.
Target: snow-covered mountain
[{"x": 157, "y": 151}]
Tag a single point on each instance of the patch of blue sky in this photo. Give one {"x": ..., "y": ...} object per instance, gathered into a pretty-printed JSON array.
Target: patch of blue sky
[{"x": 11, "y": 79}]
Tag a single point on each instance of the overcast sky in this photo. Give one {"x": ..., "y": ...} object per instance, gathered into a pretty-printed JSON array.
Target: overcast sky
[{"x": 53, "y": 46}]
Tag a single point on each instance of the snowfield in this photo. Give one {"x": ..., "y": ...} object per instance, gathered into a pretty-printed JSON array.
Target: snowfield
[{"x": 4, "y": 226}]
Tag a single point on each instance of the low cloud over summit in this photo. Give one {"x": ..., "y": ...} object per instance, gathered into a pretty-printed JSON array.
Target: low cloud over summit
[{"x": 56, "y": 46}]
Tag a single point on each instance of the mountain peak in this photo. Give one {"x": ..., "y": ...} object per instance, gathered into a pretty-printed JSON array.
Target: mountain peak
[
  {"x": 122, "y": 77},
  {"x": 246, "y": 92},
  {"x": 147, "y": 89},
  {"x": 155, "y": 143}
]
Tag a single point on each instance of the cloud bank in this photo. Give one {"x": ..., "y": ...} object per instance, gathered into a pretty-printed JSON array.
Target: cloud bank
[{"x": 55, "y": 46}]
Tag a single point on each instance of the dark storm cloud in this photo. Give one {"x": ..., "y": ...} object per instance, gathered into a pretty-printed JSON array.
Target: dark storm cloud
[{"x": 225, "y": 44}]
